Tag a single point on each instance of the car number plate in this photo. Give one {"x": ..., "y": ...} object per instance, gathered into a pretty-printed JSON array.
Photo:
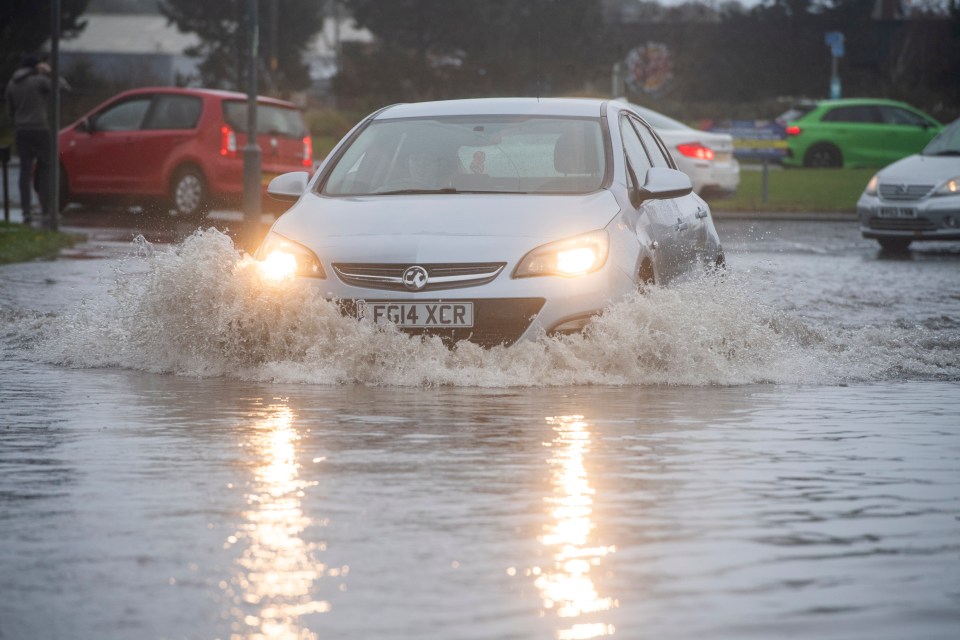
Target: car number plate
[
  {"x": 426, "y": 315},
  {"x": 896, "y": 212}
]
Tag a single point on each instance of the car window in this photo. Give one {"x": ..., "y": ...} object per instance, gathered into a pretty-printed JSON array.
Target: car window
[
  {"x": 896, "y": 115},
  {"x": 473, "y": 153},
  {"x": 125, "y": 116},
  {"x": 174, "y": 112},
  {"x": 636, "y": 152},
  {"x": 271, "y": 119},
  {"x": 858, "y": 113},
  {"x": 655, "y": 152}
]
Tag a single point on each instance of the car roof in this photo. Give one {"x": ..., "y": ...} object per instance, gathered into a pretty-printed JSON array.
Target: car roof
[
  {"x": 213, "y": 93},
  {"x": 862, "y": 101},
  {"x": 569, "y": 107}
]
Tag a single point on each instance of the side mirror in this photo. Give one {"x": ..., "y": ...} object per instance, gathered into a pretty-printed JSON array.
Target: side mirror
[
  {"x": 663, "y": 184},
  {"x": 288, "y": 186},
  {"x": 85, "y": 125}
]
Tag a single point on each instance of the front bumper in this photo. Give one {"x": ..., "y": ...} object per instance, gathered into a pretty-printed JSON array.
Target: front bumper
[
  {"x": 931, "y": 218},
  {"x": 506, "y": 310}
]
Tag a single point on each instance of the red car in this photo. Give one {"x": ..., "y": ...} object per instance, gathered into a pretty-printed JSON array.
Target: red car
[{"x": 182, "y": 148}]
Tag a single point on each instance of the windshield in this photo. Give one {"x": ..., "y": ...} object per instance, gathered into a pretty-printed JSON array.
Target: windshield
[
  {"x": 947, "y": 142},
  {"x": 516, "y": 154}
]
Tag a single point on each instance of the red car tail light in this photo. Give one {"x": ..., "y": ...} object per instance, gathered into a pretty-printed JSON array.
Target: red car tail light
[
  {"x": 695, "y": 150},
  {"x": 228, "y": 142},
  {"x": 793, "y": 130},
  {"x": 307, "y": 152}
]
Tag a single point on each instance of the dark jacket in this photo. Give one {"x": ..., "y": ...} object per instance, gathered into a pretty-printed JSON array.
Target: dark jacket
[{"x": 27, "y": 94}]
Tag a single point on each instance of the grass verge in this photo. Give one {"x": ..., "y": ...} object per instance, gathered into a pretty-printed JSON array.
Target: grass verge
[
  {"x": 797, "y": 190},
  {"x": 19, "y": 243}
]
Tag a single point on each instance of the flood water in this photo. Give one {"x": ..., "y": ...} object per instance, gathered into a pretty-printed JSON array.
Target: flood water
[{"x": 188, "y": 453}]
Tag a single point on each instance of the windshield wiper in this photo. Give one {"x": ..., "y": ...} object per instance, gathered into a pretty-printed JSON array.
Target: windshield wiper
[{"x": 414, "y": 191}]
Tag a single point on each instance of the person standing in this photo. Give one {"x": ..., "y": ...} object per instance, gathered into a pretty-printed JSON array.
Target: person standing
[{"x": 28, "y": 94}]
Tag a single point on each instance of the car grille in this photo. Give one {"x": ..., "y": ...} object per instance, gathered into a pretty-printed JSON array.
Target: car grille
[
  {"x": 901, "y": 224},
  {"x": 495, "y": 321},
  {"x": 389, "y": 277},
  {"x": 904, "y": 191}
]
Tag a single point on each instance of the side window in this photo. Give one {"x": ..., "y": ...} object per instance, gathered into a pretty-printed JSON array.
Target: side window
[
  {"x": 633, "y": 147},
  {"x": 654, "y": 150},
  {"x": 125, "y": 116},
  {"x": 174, "y": 112},
  {"x": 896, "y": 115},
  {"x": 863, "y": 114}
]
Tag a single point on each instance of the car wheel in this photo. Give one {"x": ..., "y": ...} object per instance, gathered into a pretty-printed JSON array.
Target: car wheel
[
  {"x": 894, "y": 245},
  {"x": 188, "y": 192},
  {"x": 646, "y": 277},
  {"x": 823, "y": 155}
]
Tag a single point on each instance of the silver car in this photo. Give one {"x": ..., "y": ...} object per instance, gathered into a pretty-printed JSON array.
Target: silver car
[
  {"x": 491, "y": 220},
  {"x": 916, "y": 198}
]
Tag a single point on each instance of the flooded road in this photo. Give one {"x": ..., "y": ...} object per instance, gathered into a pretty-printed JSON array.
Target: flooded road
[{"x": 775, "y": 453}]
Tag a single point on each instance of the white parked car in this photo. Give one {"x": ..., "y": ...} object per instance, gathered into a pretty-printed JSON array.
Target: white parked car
[
  {"x": 916, "y": 198},
  {"x": 492, "y": 220},
  {"x": 705, "y": 156}
]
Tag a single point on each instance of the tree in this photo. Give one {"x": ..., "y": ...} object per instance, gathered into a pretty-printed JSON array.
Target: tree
[
  {"x": 222, "y": 29},
  {"x": 25, "y": 27},
  {"x": 453, "y": 48}
]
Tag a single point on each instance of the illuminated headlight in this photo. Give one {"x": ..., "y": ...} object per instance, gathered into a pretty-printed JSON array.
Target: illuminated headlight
[
  {"x": 281, "y": 258},
  {"x": 871, "y": 189},
  {"x": 571, "y": 257},
  {"x": 949, "y": 188}
]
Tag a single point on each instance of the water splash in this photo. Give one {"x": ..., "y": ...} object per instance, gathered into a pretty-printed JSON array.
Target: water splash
[{"x": 203, "y": 309}]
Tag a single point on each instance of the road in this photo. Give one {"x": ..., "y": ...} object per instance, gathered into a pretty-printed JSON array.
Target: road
[{"x": 773, "y": 453}]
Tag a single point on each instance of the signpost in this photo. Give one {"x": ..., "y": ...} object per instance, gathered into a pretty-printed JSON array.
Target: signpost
[
  {"x": 834, "y": 40},
  {"x": 251, "y": 152}
]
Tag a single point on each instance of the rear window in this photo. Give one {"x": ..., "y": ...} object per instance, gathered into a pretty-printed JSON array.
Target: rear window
[
  {"x": 490, "y": 154},
  {"x": 271, "y": 119}
]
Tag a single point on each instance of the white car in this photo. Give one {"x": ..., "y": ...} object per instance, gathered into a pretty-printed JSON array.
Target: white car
[
  {"x": 492, "y": 220},
  {"x": 705, "y": 156},
  {"x": 916, "y": 198}
]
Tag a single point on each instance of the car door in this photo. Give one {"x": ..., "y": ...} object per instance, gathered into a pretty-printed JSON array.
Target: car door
[
  {"x": 857, "y": 130},
  {"x": 167, "y": 132},
  {"x": 104, "y": 151},
  {"x": 905, "y": 132},
  {"x": 659, "y": 216},
  {"x": 686, "y": 212}
]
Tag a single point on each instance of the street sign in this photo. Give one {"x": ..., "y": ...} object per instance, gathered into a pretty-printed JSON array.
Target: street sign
[{"x": 834, "y": 40}]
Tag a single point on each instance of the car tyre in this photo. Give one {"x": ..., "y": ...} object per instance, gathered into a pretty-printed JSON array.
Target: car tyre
[
  {"x": 894, "y": 245},
  {"x": 824, "y": 156},
  {"x": 188, "y": 193}
]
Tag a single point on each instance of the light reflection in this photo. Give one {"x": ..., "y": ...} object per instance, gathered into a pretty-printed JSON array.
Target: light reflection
[
  {"x": 273, "y": 589},
  {"x": 566, "y": 587}
]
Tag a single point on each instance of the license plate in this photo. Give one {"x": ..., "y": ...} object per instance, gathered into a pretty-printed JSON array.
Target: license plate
[
  {"x": 896, "y": 212},
  {"x": 426, "y": 315}
]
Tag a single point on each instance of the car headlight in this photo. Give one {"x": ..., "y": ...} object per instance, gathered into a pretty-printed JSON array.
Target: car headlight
[
  {"x": 569, "y": 258},
  {"x": 949, "y": 188},
  {"x": 871, "y": 189},
  {"x": 281, "y": 258}
]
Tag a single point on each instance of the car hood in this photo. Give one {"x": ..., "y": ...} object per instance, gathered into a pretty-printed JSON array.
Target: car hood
[
  {"x": 922, "y": 169},
  {"x": 440, "y": 227}
]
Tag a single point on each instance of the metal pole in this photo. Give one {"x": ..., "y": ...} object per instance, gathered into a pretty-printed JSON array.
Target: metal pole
[
  {"x": 251, "y": 152},
  {"x": 764, "y": 191},
  {"x": 4, "y": 160},
  {"x": 53, "y": 188}
]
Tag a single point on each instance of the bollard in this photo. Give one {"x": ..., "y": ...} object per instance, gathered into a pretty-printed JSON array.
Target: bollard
[
  {"x": 5, "y": 160},
  {"x": 764, "y": 180}
]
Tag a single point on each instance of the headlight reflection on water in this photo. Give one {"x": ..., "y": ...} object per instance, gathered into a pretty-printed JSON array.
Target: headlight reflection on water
[
  {"x": 566, "y": 587},
  {"x": 275, "y": 584}
]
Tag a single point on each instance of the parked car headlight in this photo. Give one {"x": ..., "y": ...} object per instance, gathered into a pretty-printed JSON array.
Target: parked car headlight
[
  {"x": 949, "y": 188},
  {"x": 871, "y": 189},
  {"x": 281, "y": 258},
  {"x": 569, "y": 258}
]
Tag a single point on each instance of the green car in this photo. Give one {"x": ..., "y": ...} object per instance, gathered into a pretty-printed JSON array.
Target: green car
[{"x": 857, "y": 133}]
